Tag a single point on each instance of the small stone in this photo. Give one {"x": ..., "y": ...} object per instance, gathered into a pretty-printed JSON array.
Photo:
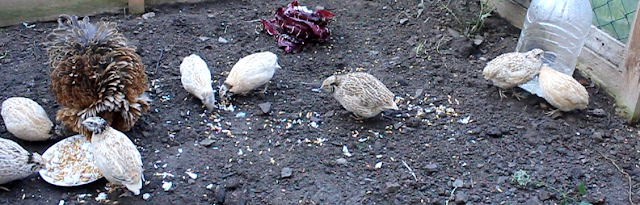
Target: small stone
[
  {"x": 494, "y": 132},
  {"x": 414, "y": 122},
  {"x": 403, "y": 21},
  {"x": 203, "y": 38},
  {"x": 391, "y": 187},
  {"x": 461, "y": 197},
  {"x": 533, "y": 201},
  {"x": 149, "y": 15},
  {"x": 458, "y": 183},
  {"x": 206, "y": 142},
  {"x": 543, "y": 195},
  {"x": 146, "y": 196},
  {"x": 220, "y": 192},
  {"x": 475, "y": 198},
  {"x": 233, "y": 183},
  {"x": 599, "y": 112},
  {"x": 478, "y": 40},
  {"x": 297, "y": 102},
  {"x": 328, "y": 114},
  {"x": 265, "y": 107},
  {"x": 341, "y": 161},
  {"x": 431, "y": 167},
  {"x": 418, "y": 93},
  {"x": 502, "y": 179},
  {"x": 596, "y": 198},
  {"x": 222, "y": 40},
  {"x": 377, "y": 147},
  {"x": 286, "y": 172},
  {"x": 191, "y": 181},
  {"x": 598, "y": 136}
]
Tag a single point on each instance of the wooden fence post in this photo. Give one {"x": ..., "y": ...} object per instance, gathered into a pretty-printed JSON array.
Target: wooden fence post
[
  {"x": 631, "y": 73},
  {"x": 136, "y": 6}
]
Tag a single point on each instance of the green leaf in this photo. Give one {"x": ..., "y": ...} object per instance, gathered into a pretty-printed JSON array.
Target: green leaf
[
  {"x": 563, "y": 202},
  {"x": 582, "y": 189}
]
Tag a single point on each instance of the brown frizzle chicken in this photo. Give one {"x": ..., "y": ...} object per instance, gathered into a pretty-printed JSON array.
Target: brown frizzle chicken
[{"x": 94, "y": 72}]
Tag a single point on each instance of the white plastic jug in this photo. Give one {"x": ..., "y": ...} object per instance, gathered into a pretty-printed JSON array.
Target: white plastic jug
[{"x": 560, "y": 28}]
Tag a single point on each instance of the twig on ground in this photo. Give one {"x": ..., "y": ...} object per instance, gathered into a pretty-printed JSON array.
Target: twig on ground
[
  {"x": 5, "y": 54},
  {"x": 158, "y": 62},
  {"x": 410, "y": 170},
  {"x": 438, "y": 46},
  {"x": 228, "y": 175},
  {"x": 450, "y": 196},
  {"x": 623, "y": 172}
]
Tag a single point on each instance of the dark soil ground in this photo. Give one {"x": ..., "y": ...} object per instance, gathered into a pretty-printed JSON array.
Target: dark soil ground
[{"x": 421, "y": 154}]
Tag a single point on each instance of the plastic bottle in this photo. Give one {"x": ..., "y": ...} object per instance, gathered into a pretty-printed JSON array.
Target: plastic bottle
[{"x": 560, "y": 28}]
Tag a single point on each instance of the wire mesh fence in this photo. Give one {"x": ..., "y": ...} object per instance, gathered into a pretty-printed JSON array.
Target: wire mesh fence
[{"x": 614, "y": 16}]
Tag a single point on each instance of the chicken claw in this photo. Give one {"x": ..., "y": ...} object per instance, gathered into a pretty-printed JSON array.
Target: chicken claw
[{"x": 554, "y": 113}]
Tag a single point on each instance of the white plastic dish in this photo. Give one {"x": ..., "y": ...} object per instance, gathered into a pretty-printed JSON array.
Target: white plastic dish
[{"x": 69, "y": 163}]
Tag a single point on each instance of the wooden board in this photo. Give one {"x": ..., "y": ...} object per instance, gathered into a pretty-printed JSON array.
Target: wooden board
[
  {"x": 14, "y": 12},
  {"x": 17, "y": 11},
  {"x": 136, "y": 6},
  {"x": 630, "y": 92},
  {"x": 601, "y": 60}
]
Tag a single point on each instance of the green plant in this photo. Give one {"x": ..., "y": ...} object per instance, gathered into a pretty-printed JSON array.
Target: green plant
[
  {"x": 570, "y": 196},
  {"x": 521, "y": 177},
  {"x": 421, "y": 52},
  {"x": 474, "y": 25},
  {"x": 419, "y": 48},
  {"x": 485, "y": 12}
]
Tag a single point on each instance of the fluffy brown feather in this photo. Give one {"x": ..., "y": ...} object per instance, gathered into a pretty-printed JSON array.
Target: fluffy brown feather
[{"x": 95, "y": 73}]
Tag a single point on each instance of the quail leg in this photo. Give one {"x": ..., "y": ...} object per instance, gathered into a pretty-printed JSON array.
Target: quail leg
[
  {"x": 552, "y": 112},
  {"x": 110, "y": 187},
  {"x": 516, "y": 94},
  {"x": 264, "y": 90},
  {"x": 127, "y": 193},
  {"x": 502, "y": 95},
  {"x": 356, "y": 117}
]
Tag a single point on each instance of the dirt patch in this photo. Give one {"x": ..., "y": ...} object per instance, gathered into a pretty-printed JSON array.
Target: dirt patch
[{"x": 425, "y": 153}]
